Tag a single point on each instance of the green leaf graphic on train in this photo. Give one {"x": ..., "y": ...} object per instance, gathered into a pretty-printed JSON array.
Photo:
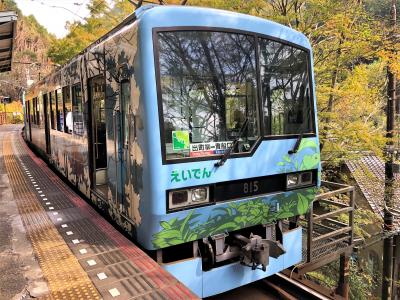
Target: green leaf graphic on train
[
  {"x": 300, "y": 161},
  {"x": 176, "y": 231},
  {"x": 302, "y": 204},
  {"x": 232, "y": 217}
]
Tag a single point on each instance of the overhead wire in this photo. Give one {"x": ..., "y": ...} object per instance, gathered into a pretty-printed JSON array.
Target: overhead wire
[{"x": 79, "y": 23}]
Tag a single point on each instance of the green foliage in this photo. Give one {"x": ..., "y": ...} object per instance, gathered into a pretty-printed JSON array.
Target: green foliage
[
  {"x": 363, "y": 218},
  {"x": 349, "y": 61},
  {"x": 231, "y": 217},
  {"x": 350, "y": 56},
  {"x": 28, "y": 53},
  {"x": 82, "y": 33},
  {"x": 9, "y": 5},
  {"x": 362, "y": 281}
]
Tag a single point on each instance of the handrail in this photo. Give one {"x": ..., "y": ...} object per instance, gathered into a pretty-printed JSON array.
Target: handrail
[
  {"x": 330, "y": 235},
  {"x": 333, "y": 213}
]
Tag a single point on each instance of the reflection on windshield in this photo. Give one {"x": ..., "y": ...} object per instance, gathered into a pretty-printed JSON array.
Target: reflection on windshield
[
  {"x": 208, "y": 86},
  {"x": 285, "y": 88}
]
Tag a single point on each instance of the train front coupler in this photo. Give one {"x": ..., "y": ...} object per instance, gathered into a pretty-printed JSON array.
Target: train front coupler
[
  {"x": 256, "y": 251},
  {"x": 251, "y": 251}
]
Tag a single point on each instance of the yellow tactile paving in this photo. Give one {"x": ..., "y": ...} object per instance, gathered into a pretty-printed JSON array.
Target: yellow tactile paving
[{"x": 65, "y": 276}]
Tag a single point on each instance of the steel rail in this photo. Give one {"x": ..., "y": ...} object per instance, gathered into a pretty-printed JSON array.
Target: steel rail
[{"x": 291, "y": 284}]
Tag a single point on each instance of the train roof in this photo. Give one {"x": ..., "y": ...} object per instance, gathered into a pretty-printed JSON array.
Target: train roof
[{"x": 176, "y": 16}]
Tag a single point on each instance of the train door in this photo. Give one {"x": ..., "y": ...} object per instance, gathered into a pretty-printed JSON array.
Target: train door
[
  {"x": 124, "y": 140},
  {"x": 46, "y": 105},
  {"x": 98, "y": 140}
]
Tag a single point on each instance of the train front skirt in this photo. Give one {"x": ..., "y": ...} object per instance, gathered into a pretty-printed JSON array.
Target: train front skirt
[{"x": 225, "y": 278}]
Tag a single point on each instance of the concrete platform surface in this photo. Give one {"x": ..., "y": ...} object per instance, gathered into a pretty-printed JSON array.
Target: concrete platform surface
[{"x": 54, "y": 245}]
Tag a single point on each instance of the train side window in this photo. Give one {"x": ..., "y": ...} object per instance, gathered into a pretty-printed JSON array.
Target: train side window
[
  {"x": 67, "y": 109},
  {"x": 59, "y": 109},
  {"x": 33, "y": 111},
  {"x": 125, "y": 100},
  {"x": 30, "y": 112},
  {"x": 27, "y": 116},
  {"x": 52, "y": 110},
  {"x": 77, "y": 110},
  {"x": 32, "y": 115},
  {"x": 38, "y": 110}
]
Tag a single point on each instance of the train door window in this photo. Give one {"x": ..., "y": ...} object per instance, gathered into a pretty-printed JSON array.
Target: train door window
[
  {"x": 28, "y": 113},
  {"x": 46, "y": 122},
  {"x": 125, "y": 100},
  {"x": 124, "y": 160},
  {"x": 53, "y": 110},
  {"x": 67, "y": 109},
  {"x": 59, "y": 109},
  {"x": 77, "y": 110},
  {"x": 33, "y": 111},
  {"x": 97, "y": 99},
  {"x": 38, "y": 110},
  {"x": 286, "y": 94}
]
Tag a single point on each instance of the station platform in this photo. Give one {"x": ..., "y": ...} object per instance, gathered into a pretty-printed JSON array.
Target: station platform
[{"x": 54, "y": 245}]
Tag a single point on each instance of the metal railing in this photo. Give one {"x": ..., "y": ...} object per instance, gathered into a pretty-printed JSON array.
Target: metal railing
[
  {"x": 10, "y": 118},
  {"x": 330, "y": 222}
]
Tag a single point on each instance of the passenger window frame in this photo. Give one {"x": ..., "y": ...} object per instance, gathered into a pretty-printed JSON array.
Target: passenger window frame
[
  {"x": 75, "y": 131},
  {"x": 268, "y": 129},
  {"x": 66, "y": 91},
  {"x": 53, "y": 118},
  {"x": 125, "y": 136},
  {"x": 59, "y": 122},
  {"x": 264, "y": 135}
]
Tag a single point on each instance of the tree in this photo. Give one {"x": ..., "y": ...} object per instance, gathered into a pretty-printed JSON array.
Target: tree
[
  {"x": 349, "y": 41},
  {"x": 30, "y": 53}
]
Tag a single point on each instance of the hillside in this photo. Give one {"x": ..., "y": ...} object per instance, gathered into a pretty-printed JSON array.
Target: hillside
[{"x": 30, "y": 60}]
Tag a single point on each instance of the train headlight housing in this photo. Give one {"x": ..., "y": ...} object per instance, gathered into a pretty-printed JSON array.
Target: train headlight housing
[
  {"x": 292, "y": 180},
  {"x": 306, "y": 178},
  {"x": 299, "y": 179},
  {"x": 179, "y": 198},
  {"x": 199, "y": 194},
  {"x": 188, "y": 197}
]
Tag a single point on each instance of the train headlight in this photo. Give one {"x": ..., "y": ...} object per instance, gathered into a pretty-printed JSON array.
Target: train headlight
[
  {"x": 179, "y": 198},
  {"x": 306, "y": 178},
  {"x": 292, "y": 180},
  {"x": 299, "y": 179},
  {"x": 200, "y": 194},
  {"x": 188, "y": 197}
]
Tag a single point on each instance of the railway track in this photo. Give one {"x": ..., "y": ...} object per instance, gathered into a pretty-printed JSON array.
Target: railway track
[{"x": 291, "y": 289}]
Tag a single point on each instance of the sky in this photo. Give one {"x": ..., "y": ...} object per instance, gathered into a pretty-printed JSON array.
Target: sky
[{"x": 53, "y": 14}]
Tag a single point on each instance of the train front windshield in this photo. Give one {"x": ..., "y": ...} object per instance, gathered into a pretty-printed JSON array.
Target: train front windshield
[{"x": 210, "y": 90}]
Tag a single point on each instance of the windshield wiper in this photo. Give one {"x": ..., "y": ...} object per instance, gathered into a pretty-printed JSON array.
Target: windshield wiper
[
  {"x": 297, "y": 145},
  {"x": 228, "y": 151}
]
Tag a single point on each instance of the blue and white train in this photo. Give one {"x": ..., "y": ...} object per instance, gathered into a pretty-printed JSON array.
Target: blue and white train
[{"x": 195, "y": 130}]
